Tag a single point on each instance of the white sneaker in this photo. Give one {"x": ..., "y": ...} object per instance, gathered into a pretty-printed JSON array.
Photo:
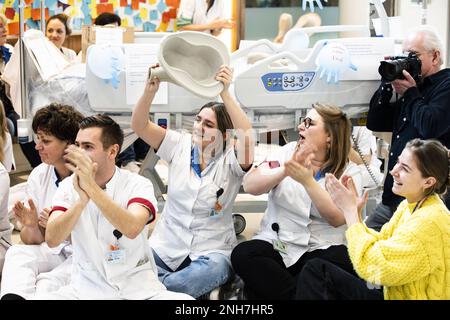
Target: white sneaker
[{"x": 132, "y": 166}]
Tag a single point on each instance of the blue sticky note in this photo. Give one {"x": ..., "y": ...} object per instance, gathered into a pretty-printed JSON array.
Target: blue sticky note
[
  {"x": 16, "y": 5},
  {"x": 86, "y": 2},
  {"x": 32, "y": 24},
  {"x": 50, "y": 3},
  {"x": 88, "y": 20},
  {"x": 2, "y": 1},
  {"x": 76, "y": 23},
  {"x": 154, "y": 15},
  {"x": 36, "y": 4},
  {"x": 137, "y": 20},
  {"x": 149, "y": 27},
  {"x": 162, "y": 6},
  {"x": 128, "y": 10},
  {"x": 86, "y": 10}
]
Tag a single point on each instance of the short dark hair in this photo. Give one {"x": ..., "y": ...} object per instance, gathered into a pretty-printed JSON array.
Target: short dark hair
[
  {"x": 433, "y": 160},
  {"x": 107, "y": 18},
  {"x": 64, "y": 19},
  {"x": 111, "y": 131},
  {"x": 61, "y": 121}
]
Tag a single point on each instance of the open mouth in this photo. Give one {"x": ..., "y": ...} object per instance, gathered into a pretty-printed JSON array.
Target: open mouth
[{"x": 396, "y": 183}]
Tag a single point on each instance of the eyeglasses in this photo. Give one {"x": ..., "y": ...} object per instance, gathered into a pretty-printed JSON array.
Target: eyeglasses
[{"x": 306, "y": 121}]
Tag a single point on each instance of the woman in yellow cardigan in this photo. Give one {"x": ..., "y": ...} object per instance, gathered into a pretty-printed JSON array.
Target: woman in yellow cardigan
[{"x": 410, "y": 256}]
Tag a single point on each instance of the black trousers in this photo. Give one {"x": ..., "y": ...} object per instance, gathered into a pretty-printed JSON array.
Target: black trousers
[
  {"x": 266, "y": 276},
  {"x": 322, "y": 280}
]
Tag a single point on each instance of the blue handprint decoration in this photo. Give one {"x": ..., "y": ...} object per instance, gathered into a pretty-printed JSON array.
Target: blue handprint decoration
[{"x": 332, "y": 60}]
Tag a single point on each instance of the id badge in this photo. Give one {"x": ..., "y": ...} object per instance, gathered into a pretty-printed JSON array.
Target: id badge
[
  {"x": 279, "y": 246},
  {"x": 115, "y": 257},
  {"x": 214, "y": 213}
]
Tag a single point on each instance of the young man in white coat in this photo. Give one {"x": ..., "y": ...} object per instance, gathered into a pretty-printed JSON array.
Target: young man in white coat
[{"x": 106, "y": 211}]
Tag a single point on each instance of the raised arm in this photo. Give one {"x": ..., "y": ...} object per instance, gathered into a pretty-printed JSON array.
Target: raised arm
[
  {"x": 319, "y": 197},
  {"x": 215, "y": 27},
  {"x": 129, "y": 222},
  {"x": 144, "y": 128},
  {"x": 60, "y": 222},
  {"x": 245, "y": 136},
  {"x": 263, "y": 178}
]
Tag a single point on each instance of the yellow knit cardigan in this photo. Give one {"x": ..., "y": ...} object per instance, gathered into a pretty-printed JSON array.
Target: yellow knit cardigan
[{"x": 410, "y": 256}]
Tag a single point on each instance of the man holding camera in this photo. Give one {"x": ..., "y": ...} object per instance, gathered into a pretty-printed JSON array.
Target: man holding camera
[{"x": 421, "y": 109}]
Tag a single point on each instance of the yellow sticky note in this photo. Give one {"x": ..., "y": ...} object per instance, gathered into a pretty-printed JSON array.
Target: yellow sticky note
[
  {"x": 16, "y": 17},
  {"x": 144, "y": 13},
  {"x": 124, "y": 22},
  {"x": 162, "y": 27},
  {"x": 8, "y": 3},
  {"x": 71, "y": 2},
  {"x": 27, "y": 12},
  {"x": 152, "y": 2},
  {"x": 94, "y": 12},
  {"x": 114, "y": 3}
]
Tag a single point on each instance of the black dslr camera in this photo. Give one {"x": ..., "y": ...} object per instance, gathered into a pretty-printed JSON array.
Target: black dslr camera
[{"x": 393, "y": 68}]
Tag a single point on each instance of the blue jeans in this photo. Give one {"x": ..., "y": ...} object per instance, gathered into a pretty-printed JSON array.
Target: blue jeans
[{"x": 197, "y": 277}]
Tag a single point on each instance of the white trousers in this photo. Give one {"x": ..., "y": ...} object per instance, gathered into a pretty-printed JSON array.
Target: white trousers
[
  {"x": 68, "y": 293},
  {"x": 24, "y": 264}
]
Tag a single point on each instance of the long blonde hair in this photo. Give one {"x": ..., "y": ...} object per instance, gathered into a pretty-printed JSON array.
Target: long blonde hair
[
  {"x": 3, "y": 131},
  {"x": 338, "y": 126}
]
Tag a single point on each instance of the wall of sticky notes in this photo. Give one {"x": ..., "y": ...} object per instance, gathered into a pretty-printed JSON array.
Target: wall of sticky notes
[{"x": 145, "y": 15}]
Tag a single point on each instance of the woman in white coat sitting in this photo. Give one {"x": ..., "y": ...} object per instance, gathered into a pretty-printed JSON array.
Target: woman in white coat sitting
[
  {"x": 57, "y": 31},
  {"x": 55, "y": 127},
  {"x": 301, "y": 221},
  {"x": 193, "y": 239},
  {"x": 203, "y": 15}
]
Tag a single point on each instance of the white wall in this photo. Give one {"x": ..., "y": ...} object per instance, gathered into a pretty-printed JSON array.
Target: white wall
[{"x": 437, "y": 16}]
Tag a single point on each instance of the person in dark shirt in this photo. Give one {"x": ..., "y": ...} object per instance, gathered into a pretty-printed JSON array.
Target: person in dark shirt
[{"x": 421, "y": 110}]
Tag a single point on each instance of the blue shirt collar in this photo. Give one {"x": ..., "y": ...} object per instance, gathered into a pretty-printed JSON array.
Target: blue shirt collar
[{"x": 6, "y": 54}]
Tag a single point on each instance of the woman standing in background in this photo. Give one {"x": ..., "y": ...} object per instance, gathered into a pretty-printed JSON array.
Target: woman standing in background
[
  {"x": 203, "y": 15},
  {"x": 57, "y": 31}
]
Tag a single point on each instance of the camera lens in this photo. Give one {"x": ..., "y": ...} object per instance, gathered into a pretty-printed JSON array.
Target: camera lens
[{"x": 391, "y": 70}]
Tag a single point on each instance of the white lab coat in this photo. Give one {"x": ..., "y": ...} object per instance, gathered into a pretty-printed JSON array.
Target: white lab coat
[
  {"x": 301, "y": 226},
  {"x": 196, "y": 11},
  {"x": 25, "y": 262},
  {"x": 92, "y": 277},
  {"x": 185, "y": 227},
  {"x": 69, "y": 53},
  {"x": 5, "y": 228}
]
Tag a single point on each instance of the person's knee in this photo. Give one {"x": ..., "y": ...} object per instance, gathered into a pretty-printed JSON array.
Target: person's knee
[
  {"x": 240, "y": 255},
  {"x": 314, "y": 266},
  {"x": 221, "y": 266},
  {"x": 20, "y": 250}
]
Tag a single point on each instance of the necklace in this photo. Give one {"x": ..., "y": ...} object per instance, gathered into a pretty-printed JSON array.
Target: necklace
[{"x": 419, "y": 204}]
